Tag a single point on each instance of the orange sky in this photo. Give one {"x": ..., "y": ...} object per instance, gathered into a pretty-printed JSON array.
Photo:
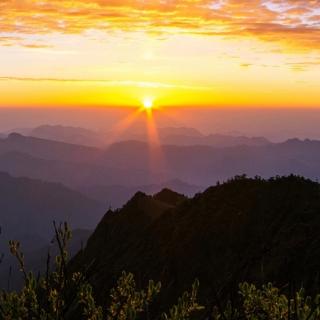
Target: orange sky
[{"x": 187, "y": 52}]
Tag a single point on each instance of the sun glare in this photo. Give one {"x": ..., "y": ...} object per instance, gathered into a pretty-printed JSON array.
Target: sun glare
[{"x": 147, "y": 103}]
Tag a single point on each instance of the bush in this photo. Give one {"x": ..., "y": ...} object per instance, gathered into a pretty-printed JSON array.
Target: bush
[
  {"x": 62, "y": 295},
  {"x": 269, "y": 304}
]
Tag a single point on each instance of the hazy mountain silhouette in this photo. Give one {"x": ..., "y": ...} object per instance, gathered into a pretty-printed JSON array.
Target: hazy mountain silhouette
[
  {"x": 71, "y": 135},
  {"x": 245, "y": 229},
  {"x": 184, "y": 136},
  {"x": 140, "y": 133},
  {"x": 126, "y": 165},
  {"x": 80, "y": 176},
  {"x": 29, "y": 206},
  {"x": 215, "y": 140},
  {"x": 204, "y": 165},
  {"x": 168, "y": 135},
  {"x": 47, "y": 149}
]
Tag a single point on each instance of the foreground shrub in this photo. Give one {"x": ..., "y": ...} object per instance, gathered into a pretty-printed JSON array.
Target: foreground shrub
[
  {"x": 268, "y": 303},
  {"x": 62, "y": 295}
]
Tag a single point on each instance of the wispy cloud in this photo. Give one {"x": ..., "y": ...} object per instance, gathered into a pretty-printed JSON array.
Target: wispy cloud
[
  {"x": 293, "y": 21},
  {"x": 110, "y": 83},
  {"x": 303, "y": 65}
]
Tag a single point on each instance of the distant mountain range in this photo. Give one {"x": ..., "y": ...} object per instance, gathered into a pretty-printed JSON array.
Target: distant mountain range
[
  {"x": 243, "y": 230},
  {"x": 191, "y": 137},
  {"x": 71, "y": 135},
  {"x": 117, "y": 171},
  {"x": 203, "y": 165},
  {"x": 168, "y": 135}
]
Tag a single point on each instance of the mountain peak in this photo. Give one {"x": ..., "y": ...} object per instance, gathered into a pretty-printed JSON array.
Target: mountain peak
[
  {"x": 138, "y": 196},
  {"x": 169, "y": 197}
]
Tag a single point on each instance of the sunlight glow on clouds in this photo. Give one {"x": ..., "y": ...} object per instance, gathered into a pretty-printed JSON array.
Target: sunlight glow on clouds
[
  {"x": 207, "y": 52},
  {"x": 298, "y": 19}
]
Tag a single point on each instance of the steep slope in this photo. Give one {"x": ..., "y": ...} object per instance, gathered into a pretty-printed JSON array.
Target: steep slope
[
  {"x": 116, "y": 238},
  {"x": 246, "y": 229}
]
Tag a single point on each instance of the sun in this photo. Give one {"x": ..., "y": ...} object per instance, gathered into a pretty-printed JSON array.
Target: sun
[{"x": 147, "y": 103}]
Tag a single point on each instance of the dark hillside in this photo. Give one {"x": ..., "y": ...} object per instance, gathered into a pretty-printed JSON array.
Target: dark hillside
[{"x": 246, "y": 229}]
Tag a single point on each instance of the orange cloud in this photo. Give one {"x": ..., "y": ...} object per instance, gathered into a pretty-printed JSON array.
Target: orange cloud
[{"x": 293, "y": 21}]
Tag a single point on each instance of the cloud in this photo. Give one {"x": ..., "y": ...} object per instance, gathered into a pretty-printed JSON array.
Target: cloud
[
  {"x": 35, "y": 45},
  {"x": 303, "y": 65},
  {"x": 8, "y": 41},
  {"x": 245, "y": 65},
  {"x": 109, "y": 83},
  {"x": 295, "y": 22}
]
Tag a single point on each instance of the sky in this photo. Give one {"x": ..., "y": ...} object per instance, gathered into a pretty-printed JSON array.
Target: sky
[{"x": 195, "y": 53}]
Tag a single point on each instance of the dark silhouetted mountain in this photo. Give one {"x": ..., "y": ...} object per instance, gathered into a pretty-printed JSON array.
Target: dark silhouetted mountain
[
  {"x": 243, "y": 230},
  {"x": 170, "y": 197}
]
